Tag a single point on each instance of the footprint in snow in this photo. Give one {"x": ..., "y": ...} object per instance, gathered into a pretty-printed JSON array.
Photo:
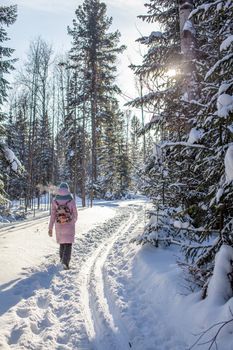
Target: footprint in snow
[
  {"x": 22, "y": 312},
  {"x": 16, "y": 333},
  {"x": 43, "y": 302},
  {"x": 38, "y": 326},
  {"x": 35, "y": 328},
  {"x": 63, "y": 339}
]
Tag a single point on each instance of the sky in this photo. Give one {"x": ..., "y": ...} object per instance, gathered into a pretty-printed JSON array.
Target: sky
[{"x": 50, "y": 18}]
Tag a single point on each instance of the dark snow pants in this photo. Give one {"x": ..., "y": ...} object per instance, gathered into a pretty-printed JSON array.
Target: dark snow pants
[{"x": 65, "y": 253}]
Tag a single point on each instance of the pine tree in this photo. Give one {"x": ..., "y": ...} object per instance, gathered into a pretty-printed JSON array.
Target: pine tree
[
  {"x": 94, "y": 55},
  {"x": 214, "y": 118},
  {"x": 17, "y": 133},
  {"x": 166, "y": 171},
  {"x": 34, "y": 80},
  {"x": 45, "y": 151},
  {"x": 135, "y": 152},
  {"x": 187, "y": 167},
  {"x": 8, "y": 16},
  {"x": 114, "y": 181}
]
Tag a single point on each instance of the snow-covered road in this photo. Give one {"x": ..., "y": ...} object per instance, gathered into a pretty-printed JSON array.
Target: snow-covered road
[
  {"x": 44, "y": 307},
  {"x": 103, "y": 325},
  {"x": 116, "y": 296}
]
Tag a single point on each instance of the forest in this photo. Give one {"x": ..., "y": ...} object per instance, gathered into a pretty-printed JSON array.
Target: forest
[
  {"x": 61, "y": 121},
  {"x": 63, "y": 118}
]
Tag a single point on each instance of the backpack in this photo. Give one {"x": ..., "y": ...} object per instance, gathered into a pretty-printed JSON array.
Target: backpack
[{"x": 63, "y": 213}]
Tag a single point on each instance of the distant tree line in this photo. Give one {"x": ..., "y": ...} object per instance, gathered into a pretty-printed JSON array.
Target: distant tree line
[{"x": 64, "y": 120}]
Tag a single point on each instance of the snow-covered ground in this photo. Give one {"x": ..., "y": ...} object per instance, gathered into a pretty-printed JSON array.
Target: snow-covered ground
[{"x": 116, "y": 296}]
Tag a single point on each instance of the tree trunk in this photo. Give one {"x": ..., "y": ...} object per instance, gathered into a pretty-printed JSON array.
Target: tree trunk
[
  {"x": 187, "y": 37},
  {"x": 83, "y": 180}
]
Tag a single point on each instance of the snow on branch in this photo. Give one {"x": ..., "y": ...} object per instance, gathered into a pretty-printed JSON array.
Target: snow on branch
[
  {"x": 229, "y": 164},
  {"x": 148, "y": 98},
  {"x": 156, "y": 119},
  {"x": 11, "y": 158},
  {"x": 210, "y": 253},
  {"x": 186, "y": 144},
  {"x": 188, "y": 27},
  {"x": 225, "y": 86},
  {"x": 204, "y": 8},
  {"x": 225, "y": 105},
  {"x": 218, "y": 64},
  {"x": 226, "y": 43},
  {"x": 195, "y": 135},
  {"x": 151, "y": 38}
]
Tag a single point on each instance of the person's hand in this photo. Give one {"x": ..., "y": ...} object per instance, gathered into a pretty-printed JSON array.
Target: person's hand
[{"x": 50, "y": 233}]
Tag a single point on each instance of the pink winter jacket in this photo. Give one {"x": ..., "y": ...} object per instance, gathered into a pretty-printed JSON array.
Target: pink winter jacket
[{"x": 64, "y": 232}]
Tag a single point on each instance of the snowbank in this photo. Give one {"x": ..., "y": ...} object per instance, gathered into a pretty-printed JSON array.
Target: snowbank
[
  {"x": 143, "y": 288},
  {"x": 220, "y": 289},
  {"x": 178, "y": 312}
]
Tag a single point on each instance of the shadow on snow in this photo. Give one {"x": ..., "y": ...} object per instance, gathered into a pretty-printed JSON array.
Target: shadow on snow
[{"x": 13, "y": 292}]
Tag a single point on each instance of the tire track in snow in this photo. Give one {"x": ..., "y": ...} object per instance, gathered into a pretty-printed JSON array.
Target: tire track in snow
[
  {"x": 49, "y": 313},
  {"x": 103, "y": 328}
]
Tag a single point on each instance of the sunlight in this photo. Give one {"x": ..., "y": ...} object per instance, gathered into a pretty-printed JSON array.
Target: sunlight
[{"x": 171, "y": 72}]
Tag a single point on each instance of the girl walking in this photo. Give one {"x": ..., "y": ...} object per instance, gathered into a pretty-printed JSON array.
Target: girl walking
[{"x": 64, "y": 215}]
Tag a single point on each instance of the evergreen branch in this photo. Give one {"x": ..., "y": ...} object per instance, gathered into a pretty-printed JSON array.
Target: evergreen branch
[
  {"x": 210, "y": 253},
  {"x": 185, "y": 144}
]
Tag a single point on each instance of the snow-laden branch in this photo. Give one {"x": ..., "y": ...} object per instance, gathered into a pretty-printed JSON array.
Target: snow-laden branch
[
  {"x": 225, "y": 105},
  {"x": 228, "y": 161},
  {"x": 151, "y": 38},
  {"x": 181, "y": 226},
  {"x": 11, "y": 158},
  {"x": 195, "y": 135},
  {"x": 204, "y": 8},
  {"x": 148, "y": 98},
  {"x": 181, "y": 143},
  {"x": 226, "y": 43},
  {"x": 218, "y": 64}
]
